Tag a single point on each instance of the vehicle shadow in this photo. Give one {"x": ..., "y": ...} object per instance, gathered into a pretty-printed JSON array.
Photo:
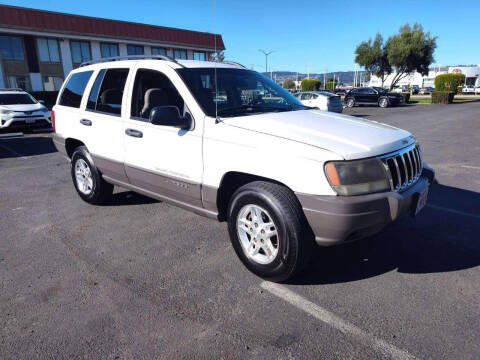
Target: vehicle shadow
[
  {"x": 129, "y": 198},
  {"x": 437, "y": 240},
  {"x": 26, "y": 146}
]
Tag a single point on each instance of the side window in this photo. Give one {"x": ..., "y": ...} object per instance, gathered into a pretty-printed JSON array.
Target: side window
[
  {"x": 152, "y": 89},
  {"x": 107, "y": 91},
  {"x": 370, "y": 91},
  {"x": 306, "y": 96},
  {"x": 314, "y": 96},
  {"x": 73, "y": 90}
]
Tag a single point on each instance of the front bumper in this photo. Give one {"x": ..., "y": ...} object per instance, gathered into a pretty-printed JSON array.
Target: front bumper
[
  {"x": 37, "y": 121},
  {"x": 340, "y": 219}
]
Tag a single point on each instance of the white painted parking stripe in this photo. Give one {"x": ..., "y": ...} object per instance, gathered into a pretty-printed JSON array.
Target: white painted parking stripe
[
  {"x": 470, "y": 167},
  {"x": 453, "y": 211},
  {"x": 388, "y": 350}
]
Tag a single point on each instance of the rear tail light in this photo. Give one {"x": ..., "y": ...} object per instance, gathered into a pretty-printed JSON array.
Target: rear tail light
[{"x": 52, "y": 119}]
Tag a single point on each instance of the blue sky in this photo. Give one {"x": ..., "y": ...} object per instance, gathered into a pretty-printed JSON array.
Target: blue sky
[{"x": 316, "y": 34}]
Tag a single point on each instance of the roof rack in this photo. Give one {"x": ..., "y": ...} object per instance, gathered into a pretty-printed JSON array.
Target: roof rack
[
  {"x": 130, "y": 57},
  {"x": 12, "y": 89},
  {"x": 234, "y": 63}
]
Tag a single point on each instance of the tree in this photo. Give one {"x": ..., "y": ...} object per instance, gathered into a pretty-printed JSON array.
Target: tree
[
  {"x": 411, "y": 49},
  {"x": 310, "y": 84},
  {"x": 219, "y": 55},
  {"x": 289, "y": 84},
  {"x": 330, "y": 84},
  {"x": 373, "y": 56}
]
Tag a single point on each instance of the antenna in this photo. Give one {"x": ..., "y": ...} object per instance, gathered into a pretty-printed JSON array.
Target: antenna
[{"x": 216, "y": 56}]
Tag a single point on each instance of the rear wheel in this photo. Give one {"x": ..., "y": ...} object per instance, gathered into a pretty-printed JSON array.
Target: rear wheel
[
  {"x": 87, "y": 179},
  {"x": 350, "y": 102},
  {"x": 383, "y": 102},
  {"x": 268, "y": 230}
]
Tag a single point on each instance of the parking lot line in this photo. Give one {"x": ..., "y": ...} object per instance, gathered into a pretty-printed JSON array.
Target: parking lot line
[
  {"x": 388, "y": 350},
  {"x": 453, "y": 211},
  {"x": 470, "y": 167}
]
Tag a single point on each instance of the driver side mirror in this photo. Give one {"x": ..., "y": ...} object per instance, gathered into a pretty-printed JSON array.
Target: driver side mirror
[
  {"x": 41, "y": 102},
  {"x": 169, "y": 116}
]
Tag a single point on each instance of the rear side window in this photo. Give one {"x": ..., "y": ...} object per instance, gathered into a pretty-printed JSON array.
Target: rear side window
[
  {"x": 107, "y": 91},
  {"x": 73, "y": 91}
]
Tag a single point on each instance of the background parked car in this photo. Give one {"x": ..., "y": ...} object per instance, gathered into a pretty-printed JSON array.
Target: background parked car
[
  {"x": 426, "y": 90},
  {"x": 414, "y": 89},
  {"x": 372, "y": 96},
  {"x": 400, "y": 89},
  {"x": 321, "y": 99},
  {"x": 468, "y": 89},
  {"x": 20, "y": 109},
  {"x": 340, "y": 91}
]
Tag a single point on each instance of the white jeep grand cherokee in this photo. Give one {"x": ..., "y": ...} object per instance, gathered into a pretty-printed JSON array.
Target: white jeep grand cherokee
[{"x": 230, "y": 144}]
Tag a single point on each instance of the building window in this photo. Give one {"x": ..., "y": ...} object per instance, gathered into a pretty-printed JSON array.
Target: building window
[
  {"x": 180, "y": 54},
  {"x": 19, "y": 81},
  {"x": 11, "y": 48},
  {"x": 109, "y": 50},
  {"x": 52, "y": 83},
  {"x": 48, "y": 50},
  {"x": 199, "y": 55},
  {"x": 80, "y": 51},
  {"x": 159, "y": 51},
  {"x": 134, "y": 50}
]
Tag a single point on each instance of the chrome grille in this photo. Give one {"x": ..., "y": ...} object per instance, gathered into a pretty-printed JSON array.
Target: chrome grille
[{"x": 403, "y": 167}]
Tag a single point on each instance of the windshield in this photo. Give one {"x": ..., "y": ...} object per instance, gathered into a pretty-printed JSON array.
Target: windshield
[
  {"x": 380, "y": 90},
  {"x": 240, "y": 92},
  {"x": 16, "y": 99}
]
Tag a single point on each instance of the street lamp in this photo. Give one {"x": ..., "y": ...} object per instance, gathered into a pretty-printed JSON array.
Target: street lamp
[{"x": 266, "y": 58}]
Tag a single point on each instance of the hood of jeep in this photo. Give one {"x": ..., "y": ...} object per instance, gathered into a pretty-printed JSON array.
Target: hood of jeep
[{"x": 348, "y": 136}]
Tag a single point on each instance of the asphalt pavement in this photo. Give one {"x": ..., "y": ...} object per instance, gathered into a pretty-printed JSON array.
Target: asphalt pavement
[{"x": 141, "y": 279}]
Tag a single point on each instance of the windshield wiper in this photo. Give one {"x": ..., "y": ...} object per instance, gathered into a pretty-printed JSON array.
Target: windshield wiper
[{"x": 252, "y": 107}]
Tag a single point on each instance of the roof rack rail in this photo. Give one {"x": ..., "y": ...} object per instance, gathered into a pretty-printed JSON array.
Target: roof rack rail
[
  {"x": 234, "y": 63},
  {"x": 12, "y": 89},
  {"x": 130, "y": 57}
]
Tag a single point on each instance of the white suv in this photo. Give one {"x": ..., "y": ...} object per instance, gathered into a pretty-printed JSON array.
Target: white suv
[
  {"x": 230, "y": 144},
  {"x": 20, "y": 109}
]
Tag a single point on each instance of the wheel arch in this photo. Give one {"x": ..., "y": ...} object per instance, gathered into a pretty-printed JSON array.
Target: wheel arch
[
  {"x": 71, "y": 144},
  {"x": 230, "y": 182}
]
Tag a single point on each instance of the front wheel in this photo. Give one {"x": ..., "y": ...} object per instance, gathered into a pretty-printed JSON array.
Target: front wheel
[
  {"x": 350, "y": 102},
  {"x": 269, "y": 231},
  {"x": 87, "y": 179},
  {"x": 383, "y": 102}
]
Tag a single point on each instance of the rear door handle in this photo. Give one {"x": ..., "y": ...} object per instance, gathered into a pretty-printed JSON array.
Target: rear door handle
[
  {"x": 86, "y": 122},
  {"x": 134, "y": 133}
]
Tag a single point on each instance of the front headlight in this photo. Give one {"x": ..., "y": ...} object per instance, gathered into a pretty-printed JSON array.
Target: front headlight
[
  {"x": 6, "y": 112},
  {"x": 357, "y": 177}
]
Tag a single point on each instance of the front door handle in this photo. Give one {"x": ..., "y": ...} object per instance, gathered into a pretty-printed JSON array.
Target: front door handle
[
  {"x": 134, "y": 133},
  {"x": 86, "y": 122}
]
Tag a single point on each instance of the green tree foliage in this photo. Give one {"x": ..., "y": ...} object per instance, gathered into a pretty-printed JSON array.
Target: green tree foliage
[
  {"x": 373, "y": 56},
  {"x": 310, "y": 84},
  {"x": 330, "y": 85},
  {"x": 411, "y": 49},
  {"x": 289, "y": 84},
  {"x": 449, "y": 82}
]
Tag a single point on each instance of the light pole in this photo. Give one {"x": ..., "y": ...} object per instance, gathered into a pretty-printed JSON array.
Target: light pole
[{"x": 266, "y": 58}]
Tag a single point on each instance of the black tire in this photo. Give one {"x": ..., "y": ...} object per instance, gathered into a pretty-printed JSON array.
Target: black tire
[
  {"x": 295, "y": 237},
  {"x": 383, "y": 102},
  {"x": 101, "y": 190},
  {"x": 350, "y": 102}
]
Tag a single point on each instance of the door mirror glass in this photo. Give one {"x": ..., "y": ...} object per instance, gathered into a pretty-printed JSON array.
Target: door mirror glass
[
  {"x": 169, "y": 116},
  {"x": 41, "y": 102}
]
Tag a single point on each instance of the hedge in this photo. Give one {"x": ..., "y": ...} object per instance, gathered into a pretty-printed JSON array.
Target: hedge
[
  {"x": 449, "y": 82},
  {"x": 406, "y": 97},
  {"x": 50, "y": 97},
  {"x": 442, "y": 97},
  {"x": 310, "y": 84}
]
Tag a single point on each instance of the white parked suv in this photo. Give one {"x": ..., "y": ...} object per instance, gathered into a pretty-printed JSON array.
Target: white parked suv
[
  {"x": 322, "y": 100},
  {"x": 230, "y": 144},
  {"x": 20, "y": 109}
]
